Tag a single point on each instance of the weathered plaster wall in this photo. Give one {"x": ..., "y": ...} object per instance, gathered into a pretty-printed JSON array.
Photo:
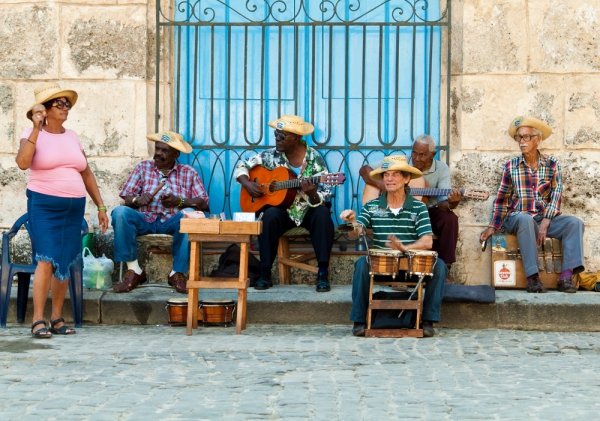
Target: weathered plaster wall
[
  {"x": 509, "y": 57},
  {"x": 513, "y": 57},
  {"x": 100, "y": 48}
]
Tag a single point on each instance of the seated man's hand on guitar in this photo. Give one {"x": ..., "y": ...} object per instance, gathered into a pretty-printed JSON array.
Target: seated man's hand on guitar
[
  {"x": 454, "y": 198},
  {"x": 253, "y": 188},
  {"x": 309, "y": 188}
]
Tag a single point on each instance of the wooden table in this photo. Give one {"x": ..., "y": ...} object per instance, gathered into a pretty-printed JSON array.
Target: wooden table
[{"x": 214, "y": 230}]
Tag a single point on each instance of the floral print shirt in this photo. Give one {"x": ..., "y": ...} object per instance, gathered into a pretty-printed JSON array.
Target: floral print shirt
[{"x": 312, "y": 165}]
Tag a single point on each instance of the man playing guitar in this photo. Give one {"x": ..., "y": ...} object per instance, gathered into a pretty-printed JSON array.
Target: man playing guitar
[
  {"x": 309, "y": 208},
  {"x": 436, "y": 174}
]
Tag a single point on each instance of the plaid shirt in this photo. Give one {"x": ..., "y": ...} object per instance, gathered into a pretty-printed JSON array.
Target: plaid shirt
[
  {"x": 525, "y": 191},
  {"x": 182, "y": 181},
  {"x": 313, "y": 165}
]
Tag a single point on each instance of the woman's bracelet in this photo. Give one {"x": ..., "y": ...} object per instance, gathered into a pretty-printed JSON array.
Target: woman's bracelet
[
  {"x": 102, "y": 208},
  {"x": 181, "y": 200},
  {"x": 33, "y": 143}
]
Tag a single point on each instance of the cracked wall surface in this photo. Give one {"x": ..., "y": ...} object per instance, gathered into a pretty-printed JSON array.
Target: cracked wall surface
[{"x": 509, "y": 57}]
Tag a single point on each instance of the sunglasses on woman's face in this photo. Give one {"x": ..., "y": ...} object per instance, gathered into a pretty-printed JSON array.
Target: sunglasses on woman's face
[{"x": 62, "y": 105}]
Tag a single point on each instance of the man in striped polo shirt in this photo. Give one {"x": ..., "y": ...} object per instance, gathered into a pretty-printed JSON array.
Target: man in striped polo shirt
[{"x": 399, "y": 222}]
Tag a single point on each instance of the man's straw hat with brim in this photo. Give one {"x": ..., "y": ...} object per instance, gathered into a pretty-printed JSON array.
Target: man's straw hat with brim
[
  {"x": 528, "y": 121},
  {"x": 51, "y": 91},
  {"x": 395, "y": 163},
  {"x": 292, "y": 124},
  {"x": 174, "y": 140}
]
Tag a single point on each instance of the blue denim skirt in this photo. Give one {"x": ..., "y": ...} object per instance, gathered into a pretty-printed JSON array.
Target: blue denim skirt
[{"x": 55, "y": 230}]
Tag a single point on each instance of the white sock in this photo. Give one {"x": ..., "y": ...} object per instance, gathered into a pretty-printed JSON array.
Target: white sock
[
  {"x": 172, "y": 273},
  {"x": 135, "y": 266}
]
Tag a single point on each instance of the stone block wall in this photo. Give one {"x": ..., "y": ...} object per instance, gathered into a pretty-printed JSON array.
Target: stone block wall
[
  {"x": 513, "y": 57},
  {"x": 509, "y": 57}
]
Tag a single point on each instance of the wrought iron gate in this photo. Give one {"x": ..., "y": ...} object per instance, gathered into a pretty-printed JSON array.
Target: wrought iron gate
[{"x": 367, "y": 74}]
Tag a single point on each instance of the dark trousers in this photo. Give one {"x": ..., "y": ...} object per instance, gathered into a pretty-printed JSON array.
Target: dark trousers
[
  {"x": 276, "y": 221},
  {"x": 444, "y": 224}
]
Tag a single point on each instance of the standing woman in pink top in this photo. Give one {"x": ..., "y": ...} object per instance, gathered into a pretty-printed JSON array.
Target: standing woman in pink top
[{"x": 59, "y": 177}]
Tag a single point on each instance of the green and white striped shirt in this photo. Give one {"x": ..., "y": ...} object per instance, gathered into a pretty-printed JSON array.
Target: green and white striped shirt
[{"x": 411, "y": 223}]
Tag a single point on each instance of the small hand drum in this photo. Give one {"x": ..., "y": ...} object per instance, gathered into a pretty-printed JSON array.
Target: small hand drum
[
  {"x": 384, "y": 262},
  {"x": 217, "y": 312},
  {"x": 421, "y": 262}
]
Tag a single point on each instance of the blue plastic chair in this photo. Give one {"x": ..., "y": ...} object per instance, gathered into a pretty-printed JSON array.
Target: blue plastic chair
[{"x": 24, "y": 271}]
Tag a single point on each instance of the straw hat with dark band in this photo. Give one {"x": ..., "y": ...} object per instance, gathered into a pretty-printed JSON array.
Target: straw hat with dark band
[
  {"x": 292, "y": 124},
  {"x": 395, "y": 163},
  {"x": 528, "y": 121},
  {"x": 174, "y": 140},
  {"x": 51, "y": 91}
]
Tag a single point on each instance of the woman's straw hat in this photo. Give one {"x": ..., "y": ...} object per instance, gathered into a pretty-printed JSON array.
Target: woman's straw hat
[
  {"x": 292, "y": 124},
  {"x": 395, "y": 163},
  {"x": 174, "y": 140},
  {"x": 529, "y": 122},
  {"x": 49, "y": 91}
]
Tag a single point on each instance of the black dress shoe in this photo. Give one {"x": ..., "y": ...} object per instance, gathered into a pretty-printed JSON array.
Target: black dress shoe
[
  {"x": 262, "y": 284},
  {"x": 428, "y": 330},
  {"x": 358, "y": 329},
  {"x": 323, "y": 283}
]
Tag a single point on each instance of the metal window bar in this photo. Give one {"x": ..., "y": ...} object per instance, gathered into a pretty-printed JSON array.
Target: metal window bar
[{"x": 234, "y": 65}]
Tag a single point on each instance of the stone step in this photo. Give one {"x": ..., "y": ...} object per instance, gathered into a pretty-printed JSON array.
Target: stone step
[{"x": 300, "y": 304}]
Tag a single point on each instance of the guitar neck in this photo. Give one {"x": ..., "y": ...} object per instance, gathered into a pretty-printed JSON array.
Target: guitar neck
[
  {"x": 294, "y": 183},
  {"x": 430, "y": 191}
]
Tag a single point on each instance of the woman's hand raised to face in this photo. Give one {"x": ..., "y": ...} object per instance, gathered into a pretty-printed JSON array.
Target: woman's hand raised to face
[{"x": 38, "y": 115}]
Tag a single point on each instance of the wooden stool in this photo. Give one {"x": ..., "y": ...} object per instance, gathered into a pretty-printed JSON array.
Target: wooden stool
[
  {"x": 388, "y": 263},
  {"x": 214, "y": 230},
  {"x": 287, "y": 259}
]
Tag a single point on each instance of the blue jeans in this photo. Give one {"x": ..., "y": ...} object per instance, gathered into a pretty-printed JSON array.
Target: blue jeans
[
  {"x": 129, "y": 224},
  {"x": 432, "y": 300},
  {"x": 568, "y": 229}
]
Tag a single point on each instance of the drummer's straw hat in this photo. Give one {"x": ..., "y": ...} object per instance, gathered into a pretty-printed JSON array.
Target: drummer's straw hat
[
  {"x": 49, "y": 91},
  {"x": 395, "y": 163},
  {"x": 174, "y": 140},
  {"x": 292, "y": 124}
]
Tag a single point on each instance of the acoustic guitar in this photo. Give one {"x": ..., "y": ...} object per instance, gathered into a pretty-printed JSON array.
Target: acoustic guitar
[
  {"x": 420, "y": 191},
  {"x": 280, "y": 186}
]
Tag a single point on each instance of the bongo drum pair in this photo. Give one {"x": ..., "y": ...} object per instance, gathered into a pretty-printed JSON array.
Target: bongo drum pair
[
  {"x": 390, "y": 262},
  {"x": 212, "y": 313}
]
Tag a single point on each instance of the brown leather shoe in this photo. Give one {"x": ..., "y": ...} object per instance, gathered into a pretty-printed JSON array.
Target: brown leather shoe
[
  {"x": 566, "y": 285},
  {"x": 535, "y": 285},
  {"x": 130, "y": 281},
  {"x": 178, "y": 281}
]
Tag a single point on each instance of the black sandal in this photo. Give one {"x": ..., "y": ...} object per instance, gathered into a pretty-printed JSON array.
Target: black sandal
[
  {"x": 63, "y": 330},
  {"x": 42, "y": 333}
]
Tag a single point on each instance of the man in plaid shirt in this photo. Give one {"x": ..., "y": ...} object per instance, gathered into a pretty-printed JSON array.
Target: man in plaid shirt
[
  {"x": 528, "y": 205},
  {"x": 155, "y": 194}
]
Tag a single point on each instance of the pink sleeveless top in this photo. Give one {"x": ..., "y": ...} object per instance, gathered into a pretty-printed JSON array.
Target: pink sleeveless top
[{"x": 57, "y": 164}]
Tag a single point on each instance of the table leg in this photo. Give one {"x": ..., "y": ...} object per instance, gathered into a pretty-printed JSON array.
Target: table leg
[{"x": 192, "y": 316}]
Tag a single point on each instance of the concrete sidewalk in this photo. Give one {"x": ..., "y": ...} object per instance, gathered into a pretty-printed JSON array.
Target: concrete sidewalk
[{"x": 300, "y": 304}]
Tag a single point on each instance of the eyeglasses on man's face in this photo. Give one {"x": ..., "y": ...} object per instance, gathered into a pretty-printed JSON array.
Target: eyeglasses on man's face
[
  {"x": 62, "y": 105},
  {"x": 525, "y": 137}
]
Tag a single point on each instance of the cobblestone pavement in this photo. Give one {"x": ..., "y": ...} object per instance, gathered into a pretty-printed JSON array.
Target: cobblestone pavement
[{"x": 297, "y": 372}]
